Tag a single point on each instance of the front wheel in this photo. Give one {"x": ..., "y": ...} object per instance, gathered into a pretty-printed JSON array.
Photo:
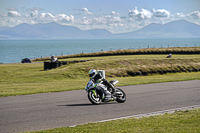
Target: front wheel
[
  {"x": 121, "y": 98},
  {"x": 94, "y": 97}
]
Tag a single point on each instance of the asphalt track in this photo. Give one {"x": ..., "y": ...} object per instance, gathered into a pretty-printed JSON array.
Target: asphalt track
[{"x": 62, "y": 109}]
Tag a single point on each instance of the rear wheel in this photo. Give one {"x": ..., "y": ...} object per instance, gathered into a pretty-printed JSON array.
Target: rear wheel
[
  {"x": 94, "y": 97},
  {"x": 121, "y": 98}
]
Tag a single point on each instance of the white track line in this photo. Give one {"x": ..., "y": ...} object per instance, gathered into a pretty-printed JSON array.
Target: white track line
[{"x": 150, "y": 114}]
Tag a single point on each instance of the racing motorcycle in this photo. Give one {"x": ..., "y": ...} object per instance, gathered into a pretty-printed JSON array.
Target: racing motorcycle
[{"x": 96, "y": 92}]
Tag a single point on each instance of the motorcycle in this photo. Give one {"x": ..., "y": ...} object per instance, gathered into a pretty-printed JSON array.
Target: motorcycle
[{"x": 96, "y": 91}]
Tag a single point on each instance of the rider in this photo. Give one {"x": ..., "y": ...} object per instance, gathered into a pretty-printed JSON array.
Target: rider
[{"x": 96, "y": 78}]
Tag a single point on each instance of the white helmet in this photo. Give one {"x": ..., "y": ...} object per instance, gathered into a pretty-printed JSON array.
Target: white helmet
[{"x": 92, "y": 73}]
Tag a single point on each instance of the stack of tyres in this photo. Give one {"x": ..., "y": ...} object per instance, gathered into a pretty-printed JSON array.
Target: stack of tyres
[
  {"x": 51, "y": 65},
  {"x": 47, "y": 65},
  {"x": 54, "y": 64}
]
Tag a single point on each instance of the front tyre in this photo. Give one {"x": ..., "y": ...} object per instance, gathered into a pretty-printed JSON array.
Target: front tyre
[
  {"x": 94, "y": 97},
  {"x": 121, "y": 98}
]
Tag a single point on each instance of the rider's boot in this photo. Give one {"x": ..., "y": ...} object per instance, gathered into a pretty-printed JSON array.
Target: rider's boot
[{"x": 108, "y": 96}]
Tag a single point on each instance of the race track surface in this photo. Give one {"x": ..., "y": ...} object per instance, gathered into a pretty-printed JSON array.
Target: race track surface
[{"x": 62, "y": 109}]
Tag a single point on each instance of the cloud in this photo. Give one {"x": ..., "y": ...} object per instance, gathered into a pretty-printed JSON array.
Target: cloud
[
  {"x": 143, "y": 14},
  {"x": 14, "y": 14},
  {"x": 133, "y": 13},
  {"x": 161, "y": 13},
  {"x": 46, "y": 15},
  {"x": 34, "y": 13},
  {"x": 115, "y": 14},
  {"x": 86, "y": 12},
  {"x": 179, "y": 15},
  {"x": 64, "y": 18},
  {"x": 195, "y": 15},
  {"x": 59, "y": 18},
  {"x": 105, "y": 19}
]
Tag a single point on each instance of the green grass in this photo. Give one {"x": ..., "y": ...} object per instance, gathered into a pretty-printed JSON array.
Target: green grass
[
  {"x": 22, "y": 79},
  {"x": 186, "y": 121}
]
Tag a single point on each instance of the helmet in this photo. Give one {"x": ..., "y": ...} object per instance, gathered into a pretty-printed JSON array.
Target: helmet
[{"x": 92, "y": 73}]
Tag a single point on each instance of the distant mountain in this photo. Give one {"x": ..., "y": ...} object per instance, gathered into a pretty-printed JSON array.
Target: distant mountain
[
  {"x": 51, "y": 31},
  {"x": 175, "y": 29}
]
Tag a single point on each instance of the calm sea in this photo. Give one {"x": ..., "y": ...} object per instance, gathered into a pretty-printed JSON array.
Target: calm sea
[{"x": 12, "y": 51}]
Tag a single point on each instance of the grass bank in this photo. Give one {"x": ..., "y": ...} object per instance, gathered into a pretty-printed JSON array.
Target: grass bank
[
  {"x": 186, "y": 121},
  {"x": 173, "y": 50},
  {"x": 22, "y": 79}
]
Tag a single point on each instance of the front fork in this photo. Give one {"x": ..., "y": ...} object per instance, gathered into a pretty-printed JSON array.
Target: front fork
[
  {"x": 101, "y": 93},
  {"x": 94, "y": 92}
]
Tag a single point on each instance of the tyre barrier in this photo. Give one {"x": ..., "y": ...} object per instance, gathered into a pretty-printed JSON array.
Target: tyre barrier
[
  {"x": 50, "y": 65},
  {"x": 53, "y": 65}
]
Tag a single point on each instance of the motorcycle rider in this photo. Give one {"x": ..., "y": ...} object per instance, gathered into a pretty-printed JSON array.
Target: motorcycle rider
[{"x": 96, "y": 78}]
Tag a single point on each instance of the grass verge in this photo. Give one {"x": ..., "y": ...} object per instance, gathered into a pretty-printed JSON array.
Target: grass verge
[
  {"x": 186, "y": 121},
  {"x": 22, "y": 79}
]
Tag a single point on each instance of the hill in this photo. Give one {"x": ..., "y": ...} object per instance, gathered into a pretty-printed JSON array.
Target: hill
[
  {"x": 51, "y": 31},
  {"x": 175, "y": 29}
]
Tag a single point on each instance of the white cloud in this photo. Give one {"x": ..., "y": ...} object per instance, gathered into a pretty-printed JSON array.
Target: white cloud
[
  {"x": 133, "y": 13},
  {"x": 64, "y": 18},
  {"x": 115, "y": 14},
  {"x": 34, "y": 13},
  {"x": 195, "y": 15},
  {"x": 143, "y": 14},
  {"x": 86, "y": 12},
  {"x": 161, "y": 13},
  {"x": 111, "y": 18},
  {"x": 14, "y": 14},
  {"x": 46, "y": 15},
  {"x": 85, "y": 21},
  {"x": 179, "y": 15}
]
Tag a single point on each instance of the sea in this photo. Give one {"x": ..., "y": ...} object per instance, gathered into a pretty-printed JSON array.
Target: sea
[{"x": 13, "y": 51}]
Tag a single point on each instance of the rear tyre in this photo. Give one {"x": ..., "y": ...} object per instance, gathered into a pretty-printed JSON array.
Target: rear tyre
[
  {"x": 94, "y": 97},
  {"x": 121, "y": 99}
]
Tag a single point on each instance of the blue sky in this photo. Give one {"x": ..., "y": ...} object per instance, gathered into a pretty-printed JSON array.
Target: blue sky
[{"x": 116, "y": 16}]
